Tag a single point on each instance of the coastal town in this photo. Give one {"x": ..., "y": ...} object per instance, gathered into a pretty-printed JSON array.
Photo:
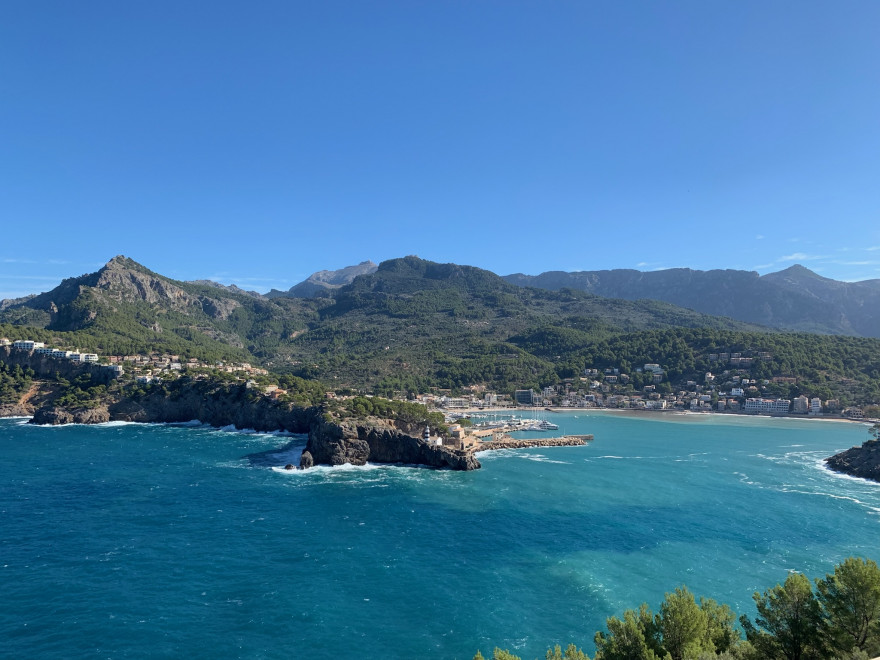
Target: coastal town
[{"x": 727, "y": 390}]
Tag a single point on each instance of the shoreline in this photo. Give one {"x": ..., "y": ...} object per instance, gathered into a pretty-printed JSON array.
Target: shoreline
[{"x": 641, "y": 411}]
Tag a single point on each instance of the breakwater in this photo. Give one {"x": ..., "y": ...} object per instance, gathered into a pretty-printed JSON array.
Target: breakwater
[{"x": 525, "y": 443}]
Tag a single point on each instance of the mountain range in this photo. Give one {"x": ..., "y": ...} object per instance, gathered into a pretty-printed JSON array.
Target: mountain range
[
  {"x": 792, "y": 299},
  {"x": 412, "y": 324}
]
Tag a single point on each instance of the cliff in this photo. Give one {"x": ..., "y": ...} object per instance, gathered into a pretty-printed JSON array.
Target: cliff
[
  {"x": 374, "y": 441},
  {"x": 331, "y": 442},
  {"x": 861, "y": 461},
  {"x": 45, "y": 366}
]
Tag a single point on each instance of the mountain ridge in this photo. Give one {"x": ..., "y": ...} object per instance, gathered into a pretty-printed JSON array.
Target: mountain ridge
[
  {"x": 323, "y": 282},
  {"x": 794, "y": 299}
]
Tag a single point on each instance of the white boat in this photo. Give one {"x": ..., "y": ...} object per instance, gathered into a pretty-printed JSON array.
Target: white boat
[{"x": 541, "y": 425}]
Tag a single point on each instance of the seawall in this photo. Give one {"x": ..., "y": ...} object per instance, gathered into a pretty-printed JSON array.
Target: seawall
[{"x": 511, "y": 443}]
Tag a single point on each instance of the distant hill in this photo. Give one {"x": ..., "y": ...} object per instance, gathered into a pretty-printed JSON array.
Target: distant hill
[
  {"x": 325, "y": 281},
  {"x": 125, "y": 307},
  {"x": 226, "y": 287},
  {"x": 793, "y": 299}
]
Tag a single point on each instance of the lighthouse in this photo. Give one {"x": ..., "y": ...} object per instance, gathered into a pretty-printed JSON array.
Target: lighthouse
[{"x": 427, "y": 438}]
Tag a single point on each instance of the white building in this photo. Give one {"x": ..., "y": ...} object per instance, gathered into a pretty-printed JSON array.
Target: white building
[
  {"x": 815, "y": 406},
  {"x": 781, "y": 405},
  {"x": 5, "y": 342},
  {"x": 775, "y": 406},
  {"x": 27, "y": 344},
  {"x": 43, "y": 350},
  {"x": 89, "y": 357}
]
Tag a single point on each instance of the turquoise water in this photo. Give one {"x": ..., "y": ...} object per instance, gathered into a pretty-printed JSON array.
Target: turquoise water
[{"x": 129, "y": 541}]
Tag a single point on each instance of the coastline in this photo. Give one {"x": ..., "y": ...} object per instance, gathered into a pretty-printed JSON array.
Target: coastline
[{"x": 643, "y": 411}]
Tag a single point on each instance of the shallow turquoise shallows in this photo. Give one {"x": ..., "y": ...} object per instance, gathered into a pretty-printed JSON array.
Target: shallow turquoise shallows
[{"x": 132, "y": 541}]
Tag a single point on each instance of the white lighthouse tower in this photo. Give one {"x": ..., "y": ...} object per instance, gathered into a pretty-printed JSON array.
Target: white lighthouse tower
[{"x": 438, "y": 441}]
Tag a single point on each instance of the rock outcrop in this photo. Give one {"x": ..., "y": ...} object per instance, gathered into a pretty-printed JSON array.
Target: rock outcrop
[
  {"x": 16, "y": 410},
  {"x": 53, "y": 415},
  {"x": 359, "y": 442},
  {"x": 861, "y": 461}
]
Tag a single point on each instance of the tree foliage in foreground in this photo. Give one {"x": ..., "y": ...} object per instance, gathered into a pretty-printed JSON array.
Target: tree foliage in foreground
[{"x": 839, "y": 620}]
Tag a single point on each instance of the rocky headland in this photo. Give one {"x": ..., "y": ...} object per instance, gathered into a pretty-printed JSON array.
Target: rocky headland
[
  {"x": 861, "y": 461},
  {"x": 333, "y": 438},
  {"x": 377, "y": 441}
]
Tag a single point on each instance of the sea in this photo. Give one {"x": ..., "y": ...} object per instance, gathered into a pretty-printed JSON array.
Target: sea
[{"x": 162, "y": 541}]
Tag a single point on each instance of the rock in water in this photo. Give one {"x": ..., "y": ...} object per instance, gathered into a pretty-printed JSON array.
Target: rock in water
[
  {"x": 306, "y": 461},
  {"x": 861, "y": 461}
]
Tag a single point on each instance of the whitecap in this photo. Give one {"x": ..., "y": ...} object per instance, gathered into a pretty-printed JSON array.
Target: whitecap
[{"x": 192, "y": 422}]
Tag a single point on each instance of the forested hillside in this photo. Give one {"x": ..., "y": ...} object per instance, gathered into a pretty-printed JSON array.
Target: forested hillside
[{"x": 413, "y": 325}]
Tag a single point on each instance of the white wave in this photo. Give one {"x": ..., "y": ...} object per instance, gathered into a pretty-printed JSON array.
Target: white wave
[
  {"x": 544, "y": 459},
  {"x": 334, "y": 469},
  {"x": 232, "y": 428},
  {"x": 849, "y": 498},
  {"x": 869, "y": 483},
  {"x": 108, "y": 425},
  {"x": 744, "y": 478}
]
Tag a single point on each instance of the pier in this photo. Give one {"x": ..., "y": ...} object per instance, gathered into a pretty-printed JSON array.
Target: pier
[{"x": 506, "y": 442}]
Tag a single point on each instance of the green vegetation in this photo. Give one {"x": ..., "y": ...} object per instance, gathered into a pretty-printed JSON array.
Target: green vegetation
[
  {"x": 825, "y": 366},
  {"x": 413, "y": 326},
  {"x": 80, "y": 393},
  {"x": 839, "y": 620},
  {"x": 14, "y": 382},
  {"x": 411, "y": 414}
]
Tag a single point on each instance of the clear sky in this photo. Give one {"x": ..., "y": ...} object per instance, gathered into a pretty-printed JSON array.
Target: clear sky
[{"x": 256, "y": 142}]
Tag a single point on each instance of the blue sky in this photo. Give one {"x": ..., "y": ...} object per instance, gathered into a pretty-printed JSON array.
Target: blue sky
[{"x": 254, "y": 143}]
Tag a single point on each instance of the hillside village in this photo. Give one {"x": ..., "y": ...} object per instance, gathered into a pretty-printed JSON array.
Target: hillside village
[
  {"x": 143, "y": 369},
  {"x": 728, "y": 391},
  {"x": 731, "y": 390}
]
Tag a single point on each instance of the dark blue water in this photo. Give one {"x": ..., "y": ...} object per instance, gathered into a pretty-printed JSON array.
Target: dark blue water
[{"x": 129, "y": 541}]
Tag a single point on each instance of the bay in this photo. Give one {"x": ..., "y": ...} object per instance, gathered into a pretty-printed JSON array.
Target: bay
[{"x": 130, "y": 541}]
